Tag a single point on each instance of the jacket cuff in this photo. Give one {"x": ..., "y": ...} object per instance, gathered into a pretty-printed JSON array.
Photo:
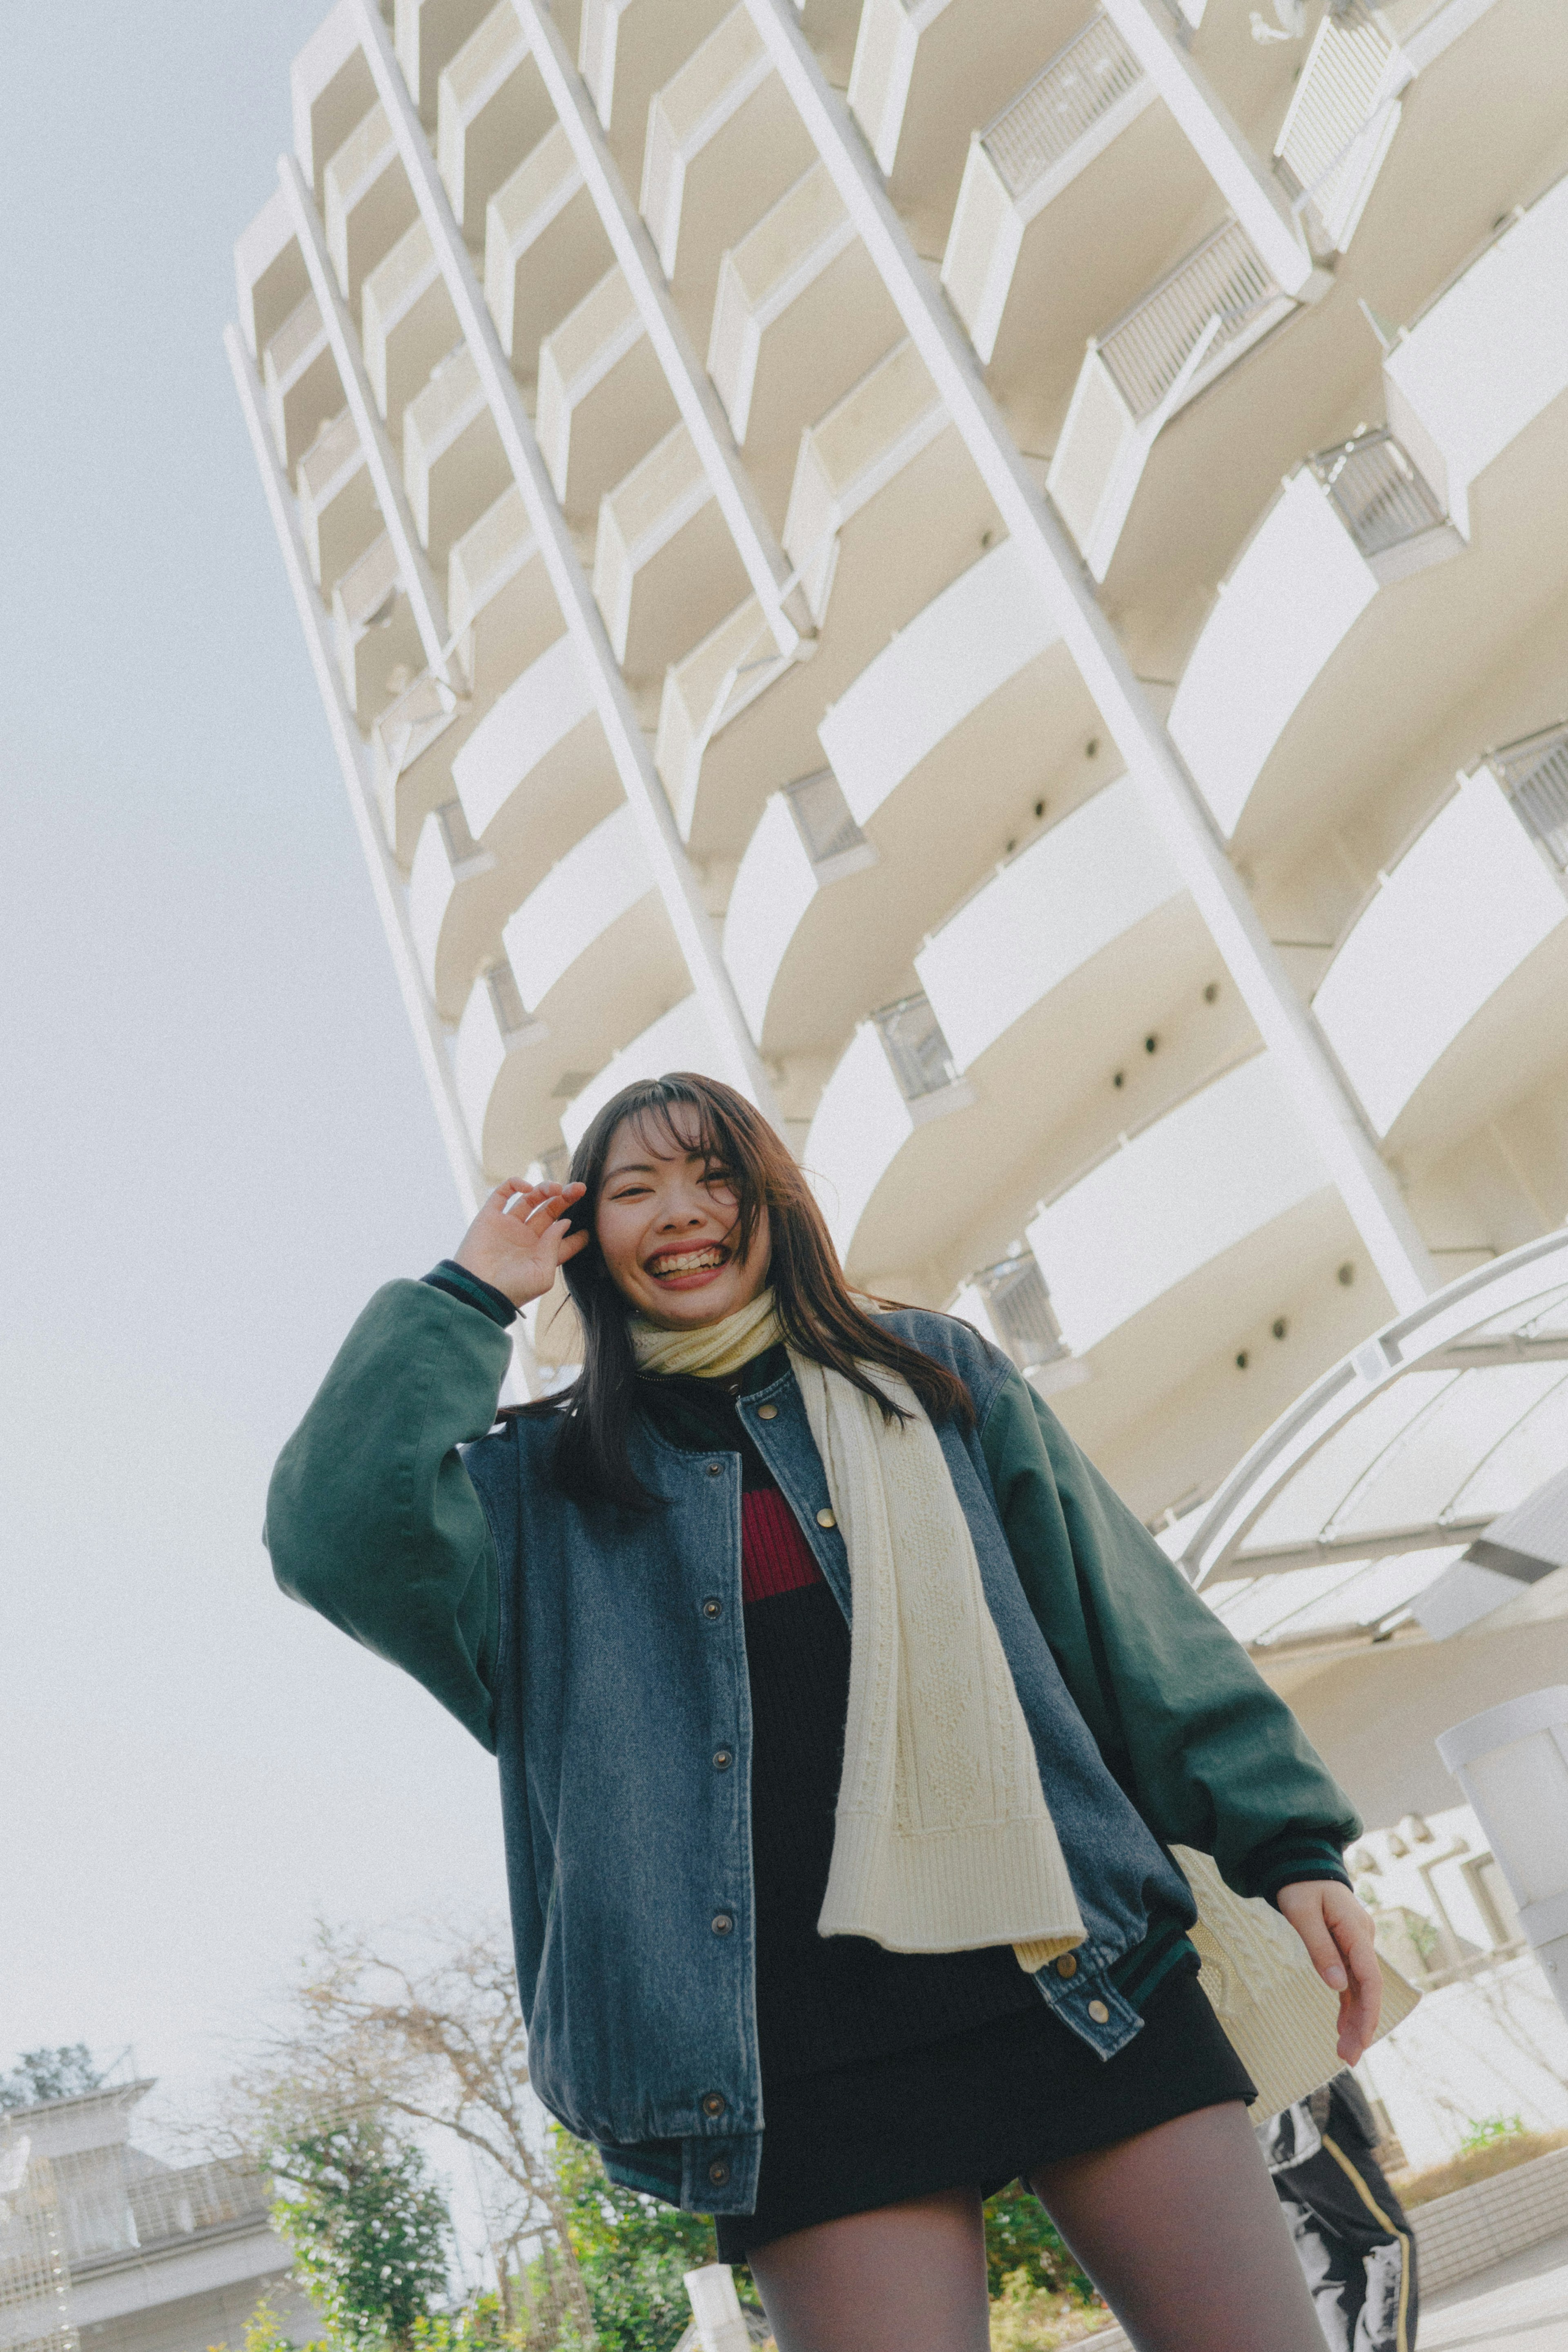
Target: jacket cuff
[
  {"x": 458, "y": 1283},
  {"x": 1291, "y": 1857}
]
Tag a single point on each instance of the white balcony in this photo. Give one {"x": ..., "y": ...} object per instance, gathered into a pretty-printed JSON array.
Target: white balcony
[
  {"x": 680, "y": 1039},
  {"x": 587, "y": 952},
  {"x": 1016, "y": 978},
  {"x": 1188, "y": 1222},
  {"x": 545, "y": 249},
  {"x": 1323, "y": 661},
  {"x": 927, "y": 72},
  {"x": 945, "y": 750},
  {"x": 801, "y": 314},
  {"x": 376, "y": 640},
  {"x": 299, "y": 381},
  {"x": 453, "y": 466},
  {"x": 874, "y": 436},
  {"x": 458, "y": 898},
  {"x": 724, "y": 142},
  {"x": 427, "y": 35},
  {"x": 628, "y": 49},
  {"x": 1445, "y": 998},
  {"x": 338, "y": 512},
  {"x": 603, "y": 400},
  {"x": 666, "y": 568},
  {"x": 1002, "y": 254},
  {"x": 271, "y": 276},
  {"x": 896, "y": 1076},
  {"x": 368, "y": 203},
  {"x": 886, "y": 511},
  {"x": 1210, "y": 309},
  {"x": 330, "y": 88},
  {"x": 503, "y": 615},
  {"x": 409, "y": 324},
  {"x": 491, "y": 111},
  {"x": 536, "y": 771}
]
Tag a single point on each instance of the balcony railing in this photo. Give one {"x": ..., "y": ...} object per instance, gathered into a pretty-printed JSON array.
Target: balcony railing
[
  {"x": 464, "y": 854},
  {"x": 196, "y": 2197},
  {"x": 1341, "y": 121},
  {"x": 822, "y": 817},
  {"x": 512, "y": 1017},
  {"x": 1065, "y": 98},
  {"x": 1382, "y": 499},
  {"x": 1534, "y": 772},
  {"x": 922, "y": 1061},
  {"x": 1020, "y": 1306},
  {"x": 1221, "y": 289}
]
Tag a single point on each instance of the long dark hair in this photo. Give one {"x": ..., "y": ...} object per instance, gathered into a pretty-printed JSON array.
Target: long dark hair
[{"x": 821, "y": 1316}]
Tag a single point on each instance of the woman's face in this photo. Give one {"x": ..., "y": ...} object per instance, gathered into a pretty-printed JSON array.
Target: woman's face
[{"x": 667, "y": 1222}]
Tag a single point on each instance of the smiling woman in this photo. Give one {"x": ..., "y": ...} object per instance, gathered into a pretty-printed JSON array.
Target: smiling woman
[{"x": 845, "y": 1721}]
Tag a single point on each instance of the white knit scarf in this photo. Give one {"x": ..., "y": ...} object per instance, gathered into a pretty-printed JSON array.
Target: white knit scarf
[{"x": 943, "y": 1841}]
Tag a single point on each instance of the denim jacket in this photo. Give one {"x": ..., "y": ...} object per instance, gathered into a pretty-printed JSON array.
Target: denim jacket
[{"x": 602, "y": 1654}]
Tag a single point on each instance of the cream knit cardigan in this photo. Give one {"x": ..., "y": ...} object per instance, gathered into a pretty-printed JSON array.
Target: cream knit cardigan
[{"x": 943, "y": 1840}]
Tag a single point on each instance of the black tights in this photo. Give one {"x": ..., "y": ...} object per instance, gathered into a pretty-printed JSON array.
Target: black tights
[{"x": 1179, "y": 2228}]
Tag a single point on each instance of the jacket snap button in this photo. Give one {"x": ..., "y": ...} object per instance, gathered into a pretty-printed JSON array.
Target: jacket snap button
[
  {"x": 722, "y": 1922},
  {"x": 826, "y": 1519},
  {"x": 766, "y": 1412},
  {"x": 1067, "y": 1966},
  {"x": 713, "y": 2102},
  {"x": 715, "y": 1470},
  {"x": 723, "y": 1757},
  {"x": 712, "y": 1609},
  {"x": 1099, "y": 2012},
  {"x": 718, "y": 2172}
]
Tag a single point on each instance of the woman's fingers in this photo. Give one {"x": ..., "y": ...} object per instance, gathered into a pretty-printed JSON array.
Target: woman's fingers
[{"x": 1337, "y": 1934}]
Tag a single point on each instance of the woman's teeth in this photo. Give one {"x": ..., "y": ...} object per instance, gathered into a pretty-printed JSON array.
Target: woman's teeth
[{"x": 687, "y": 1261}]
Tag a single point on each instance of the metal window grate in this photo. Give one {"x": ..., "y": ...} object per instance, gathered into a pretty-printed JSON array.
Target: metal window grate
[
  {"x": 822, "y": 816},
  {"x": 1534, "y": 772},
  {"x": 1019, "y": 1305},
  {"x": 1065, "y": 98},
  {"x": 1224, "y": 278},
  {"x": 922, "y": 1060},
  {"x": 195, "y": 2197},
  {"x": 1380, "y": 497}
]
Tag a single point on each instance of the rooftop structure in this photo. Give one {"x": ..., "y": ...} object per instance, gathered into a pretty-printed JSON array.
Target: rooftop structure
[
  {"x": 991, "y": 572},
  {"x": 103, "y": 2248}
]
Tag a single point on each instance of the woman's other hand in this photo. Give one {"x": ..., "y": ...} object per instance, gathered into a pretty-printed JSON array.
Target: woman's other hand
[
  {"x": 1337, "y": 1933},
  {"x": 521, "y": 1235}
]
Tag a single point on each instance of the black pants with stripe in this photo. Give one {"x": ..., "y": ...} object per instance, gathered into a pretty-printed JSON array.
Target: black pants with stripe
[{"x": 1354, "y": 2245}]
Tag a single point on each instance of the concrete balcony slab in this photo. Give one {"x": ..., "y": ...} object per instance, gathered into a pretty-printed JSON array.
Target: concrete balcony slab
[
  {"x": 491, "y": 112},
  {"x": 409, "y": 324},
  {"x": 374, "y": 633},
  {"x": 723, "y": 143},
  {"x": 338, "y": 512},
  {"x": 427, "y": 35},
  {"x": 453, "y": 466},
  {"x": 270, "y": 277},
  {"x": 331, "y": 89},
  {"x": 545, "y": 250},
  {"x": 299, "y": 382},
  {"x": 368, "y": 204},
  {"x": 666, "y": 568},
  {"x": 627, "y": 50},
  {"x": 603, "y": 400}
]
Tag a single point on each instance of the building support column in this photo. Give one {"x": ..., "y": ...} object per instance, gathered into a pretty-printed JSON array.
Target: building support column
[
  {"x": 673, "y": 872},
  {"x": 1322, "y": 1100}
]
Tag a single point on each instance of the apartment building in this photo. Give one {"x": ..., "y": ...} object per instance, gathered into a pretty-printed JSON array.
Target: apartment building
[{"x": 994, "y": 573}]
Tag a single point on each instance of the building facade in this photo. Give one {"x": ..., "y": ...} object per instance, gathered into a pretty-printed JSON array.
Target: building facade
[
  {"x": 993, "y": 572},
  {"x": 104, "y": 2248}
]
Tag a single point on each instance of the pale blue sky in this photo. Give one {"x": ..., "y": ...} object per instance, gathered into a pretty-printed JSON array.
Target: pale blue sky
[{"x": 214, "y": 1140}]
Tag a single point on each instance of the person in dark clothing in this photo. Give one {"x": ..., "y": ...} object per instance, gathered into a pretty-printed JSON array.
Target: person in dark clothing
[{"x": 1355, "y": 2245}]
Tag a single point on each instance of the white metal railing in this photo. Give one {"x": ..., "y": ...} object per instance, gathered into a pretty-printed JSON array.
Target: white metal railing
[
  {"x": 1534, "y": 772},
  {"x": 507, "y": 1002},
  {"x": 196, "y": 2197},
  {"x": 1066, "y": 98},
  {"x": 1334, "y": 135},
  {"x": 822, "y": 816},
  {"x": 921, "y": 1057},
  {"x": 1223, "y": 280},
  {"x": 1019, "y": 1303},
  {"x": 1381, "y": 497}
]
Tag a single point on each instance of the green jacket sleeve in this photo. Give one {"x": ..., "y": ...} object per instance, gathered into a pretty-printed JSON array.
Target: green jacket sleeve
[
  {"x": 1209, "y": 1755},
  {"x": 371, "y": 1517}
]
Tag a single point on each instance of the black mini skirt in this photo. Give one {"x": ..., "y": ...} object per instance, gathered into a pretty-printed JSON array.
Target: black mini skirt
[{"x": 980, "y": 2109}]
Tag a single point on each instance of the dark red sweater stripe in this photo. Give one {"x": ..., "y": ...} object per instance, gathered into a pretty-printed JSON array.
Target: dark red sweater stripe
[{"x": 775, "y": 1556}]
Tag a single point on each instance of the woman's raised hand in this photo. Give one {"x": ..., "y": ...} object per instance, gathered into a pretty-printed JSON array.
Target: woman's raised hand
[{"x": 520, "y": 1236}]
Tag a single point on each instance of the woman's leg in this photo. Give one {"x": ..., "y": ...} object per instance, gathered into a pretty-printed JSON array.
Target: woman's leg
[
  {"x": 908, "y": 2278},
  {"x": 1181, "y": 2233}
]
